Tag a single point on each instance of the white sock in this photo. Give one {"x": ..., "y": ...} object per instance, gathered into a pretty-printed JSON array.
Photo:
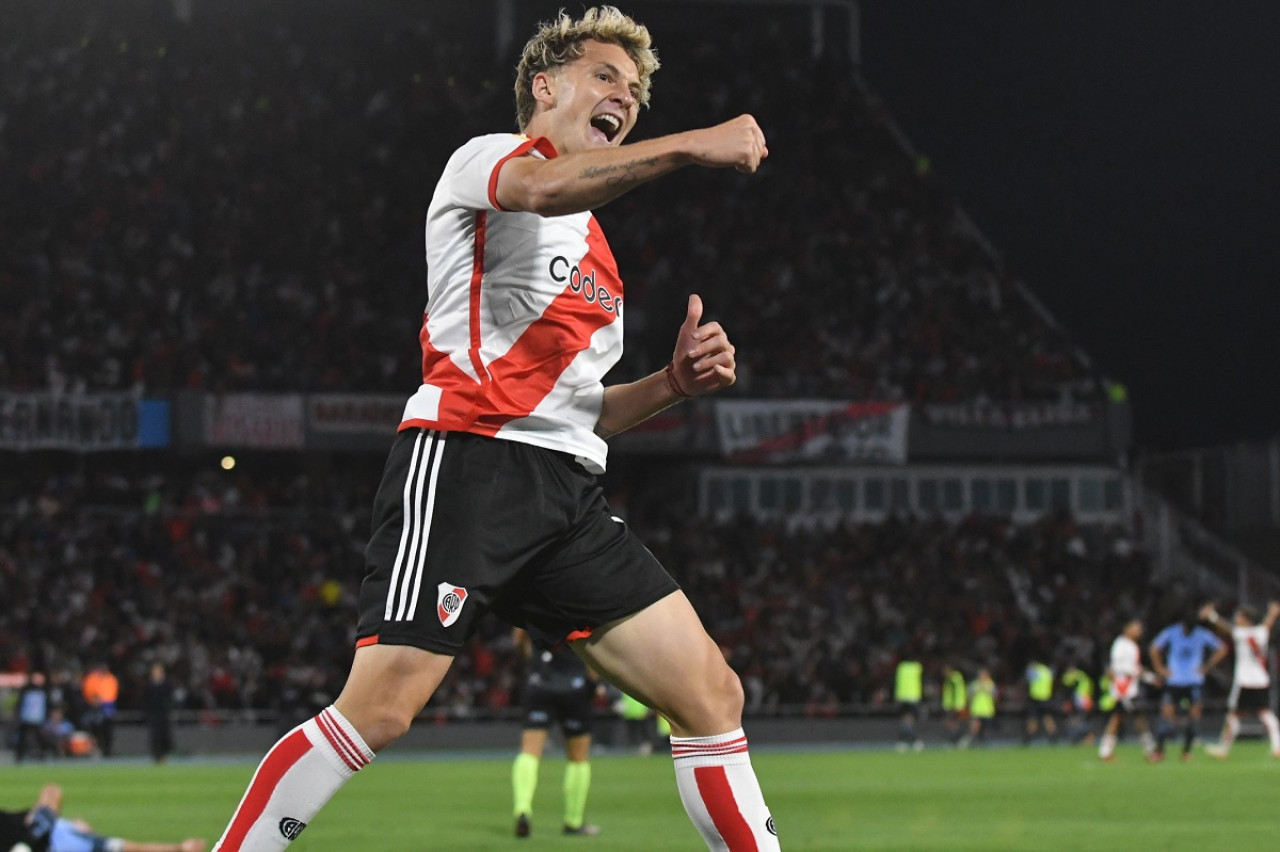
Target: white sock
[
  {"x": 299, "y": 774},
  {"x": 1269, "y": 721},
  {"x": 1107, "y": 746},
  {"x": 721, "y": 794},
  {"x": 1231, "y": 730},
  {"x": 1148, "y": 742}
]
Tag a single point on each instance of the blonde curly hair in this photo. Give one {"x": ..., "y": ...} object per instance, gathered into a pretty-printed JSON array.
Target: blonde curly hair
[{"x": 559, "y": 42}]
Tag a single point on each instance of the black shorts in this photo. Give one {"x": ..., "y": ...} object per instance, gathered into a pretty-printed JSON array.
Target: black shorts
[
  {"x": 465, "y": 524},
  {"x": 570, "y": 706},
  {"x": 1183, "y": 696},
  {"x": 1246, "y": 699},
  {"x": 1038, "y": 709}
]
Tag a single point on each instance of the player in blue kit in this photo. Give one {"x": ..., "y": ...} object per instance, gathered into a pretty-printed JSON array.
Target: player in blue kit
[{"x": 1182, "y": 654}]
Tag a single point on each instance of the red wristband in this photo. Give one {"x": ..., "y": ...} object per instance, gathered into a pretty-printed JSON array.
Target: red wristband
[{"x": 673, "y": 384}]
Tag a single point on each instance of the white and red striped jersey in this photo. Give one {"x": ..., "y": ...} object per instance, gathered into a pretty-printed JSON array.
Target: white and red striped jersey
[
  {"x": 1126, "y": 668},
  {"x": 1251, "y": 656},
  {"x": 523, "y": 316}
]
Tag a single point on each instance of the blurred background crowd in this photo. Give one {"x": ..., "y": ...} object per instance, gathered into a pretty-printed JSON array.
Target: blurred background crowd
[{"x": 238, "y": 206}]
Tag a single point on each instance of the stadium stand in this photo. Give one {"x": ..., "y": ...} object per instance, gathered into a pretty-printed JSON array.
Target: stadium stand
[{"x": 237, "y": 205}]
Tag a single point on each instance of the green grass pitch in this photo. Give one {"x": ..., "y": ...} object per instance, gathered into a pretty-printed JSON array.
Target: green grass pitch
[{"x": 1041, "y": 798}]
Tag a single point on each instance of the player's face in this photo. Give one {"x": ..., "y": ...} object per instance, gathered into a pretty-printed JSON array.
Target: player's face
[{"x": 594, "y": 99}]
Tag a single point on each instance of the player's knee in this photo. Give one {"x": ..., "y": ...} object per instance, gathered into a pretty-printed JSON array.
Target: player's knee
[
  {"x": 378, "y": 725},
  {"x": 714, "y": 707}
]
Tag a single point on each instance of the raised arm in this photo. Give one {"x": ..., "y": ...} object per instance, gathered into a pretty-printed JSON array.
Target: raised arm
[
  {"x": 703, "y": 362},
  {"x": 585, "y": 180},
  {"x": 1209, "y": 615},
  {"x": 1273, "y": 612}
]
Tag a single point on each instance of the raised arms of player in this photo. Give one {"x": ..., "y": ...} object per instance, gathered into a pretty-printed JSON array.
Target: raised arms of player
[
  {"x": 1209, "y": 613},
  {"x": 703, "y": 362},
  {"x": 1273, "y": 612},
  {"x": 585, "y": 180}
]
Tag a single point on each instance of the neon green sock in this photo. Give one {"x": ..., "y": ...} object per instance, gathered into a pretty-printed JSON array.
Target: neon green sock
[
  {"x": 577, "y": 782},
  {"x": 524, "y": 781}
]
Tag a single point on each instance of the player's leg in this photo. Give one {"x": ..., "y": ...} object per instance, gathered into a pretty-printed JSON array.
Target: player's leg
[
  {"x": 1268, "y": 718},
  {"x": 386, "y": 688},
  {"x": 1165, "y": 723},
  {"x": 577, "y": 785},
  {"x": 77, "y": 836},
  {"x": 663, "y": 656},
  {"x": 524, "y": 777},
  {"x": 1192, "y": 730},
  {"x": 1110, "y": 732},
  {"x": 191, "y": 844}
]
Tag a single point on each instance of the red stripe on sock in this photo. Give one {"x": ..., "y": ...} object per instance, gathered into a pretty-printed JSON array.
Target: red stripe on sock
[
  {"x": 717, "y": 795},
  {"x": 681, "y": 749},
  {"x": 352, "y": 749},
  {"x": 327, "y": 726},
  {"x": 278, "y": 761}
]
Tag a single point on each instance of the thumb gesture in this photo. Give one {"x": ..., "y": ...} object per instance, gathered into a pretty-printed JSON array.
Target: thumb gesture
[{"x": 703, "y": 359}]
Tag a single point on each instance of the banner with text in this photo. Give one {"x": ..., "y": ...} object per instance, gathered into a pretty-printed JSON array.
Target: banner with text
[
  {"x": 268, "y": 421},
  {"x": 1010, "y": 415},
  {"x": 83, "y": 422},
  {"x": 787, "y": 431}
]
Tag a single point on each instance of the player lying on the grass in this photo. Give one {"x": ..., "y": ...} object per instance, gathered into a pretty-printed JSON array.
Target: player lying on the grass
[
  {"x": 1251, "y": 682},
  {"x": 42, "y": 828}
]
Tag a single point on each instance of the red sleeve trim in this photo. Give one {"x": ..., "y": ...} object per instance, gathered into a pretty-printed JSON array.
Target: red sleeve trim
[{"x": 542, "y": 145}]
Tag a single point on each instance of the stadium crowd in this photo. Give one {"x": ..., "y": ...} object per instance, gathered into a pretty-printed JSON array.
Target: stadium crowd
[
  {"x": 237, "y": 203},
  {"x": 244, "y": 589}
]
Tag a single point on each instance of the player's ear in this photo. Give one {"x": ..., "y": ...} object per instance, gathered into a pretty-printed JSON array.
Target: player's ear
[{"x": 544, "y": 88}]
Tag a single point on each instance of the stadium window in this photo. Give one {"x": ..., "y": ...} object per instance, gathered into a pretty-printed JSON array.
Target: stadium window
[
  {"x": 873, "y": 495},
  {"x": 899, "y": 494},
  {"x": 822, "y": 494},
  {"x": 927, "y": 495},
  {"x": 1060, "y": 493},
  {"x": 792, "y": 494},
  {"x": 770, "y": 494},
  {"x": 1035, "y": 495},
  {"x": 717, "y": 494},
  {"x": 1090, "y": 494},
  {"x": 1006, "y": 495},
  {"x": 952, "y": 495},
  {"x": 1113, "y": 493},
  {"x": 740, "y": 493},
  {"x": 847, "y": 494},
  {"x": 981, "y": 495}
]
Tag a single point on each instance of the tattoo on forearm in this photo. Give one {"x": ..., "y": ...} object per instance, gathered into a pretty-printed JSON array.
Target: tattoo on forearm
[{"x": 622, "y": 173}]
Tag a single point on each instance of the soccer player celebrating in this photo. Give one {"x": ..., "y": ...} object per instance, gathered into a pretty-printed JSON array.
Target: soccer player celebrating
[
  {"x": 1251, "y": 685},
  {"x": 1124, "y": 675},
  {"x": 1178, "y": 656},
  {"x": 489, "y": 500}
]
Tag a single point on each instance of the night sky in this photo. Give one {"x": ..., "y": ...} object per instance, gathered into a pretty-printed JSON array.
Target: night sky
[{"x": 1124, "y": 158}]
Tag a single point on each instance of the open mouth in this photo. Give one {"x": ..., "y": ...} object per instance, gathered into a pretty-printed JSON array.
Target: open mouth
[{"x": 609, "y": 125}]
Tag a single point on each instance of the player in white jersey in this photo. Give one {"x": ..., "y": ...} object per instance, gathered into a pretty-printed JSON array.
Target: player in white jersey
[
  {"x": 1251, "y": 683},
  {"x": 489, "y": 500},
  {"x": 1125, "y": 675}
]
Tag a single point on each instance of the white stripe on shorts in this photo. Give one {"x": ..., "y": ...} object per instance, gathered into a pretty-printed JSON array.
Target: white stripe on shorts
[{"x": 406, "y": 576}]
